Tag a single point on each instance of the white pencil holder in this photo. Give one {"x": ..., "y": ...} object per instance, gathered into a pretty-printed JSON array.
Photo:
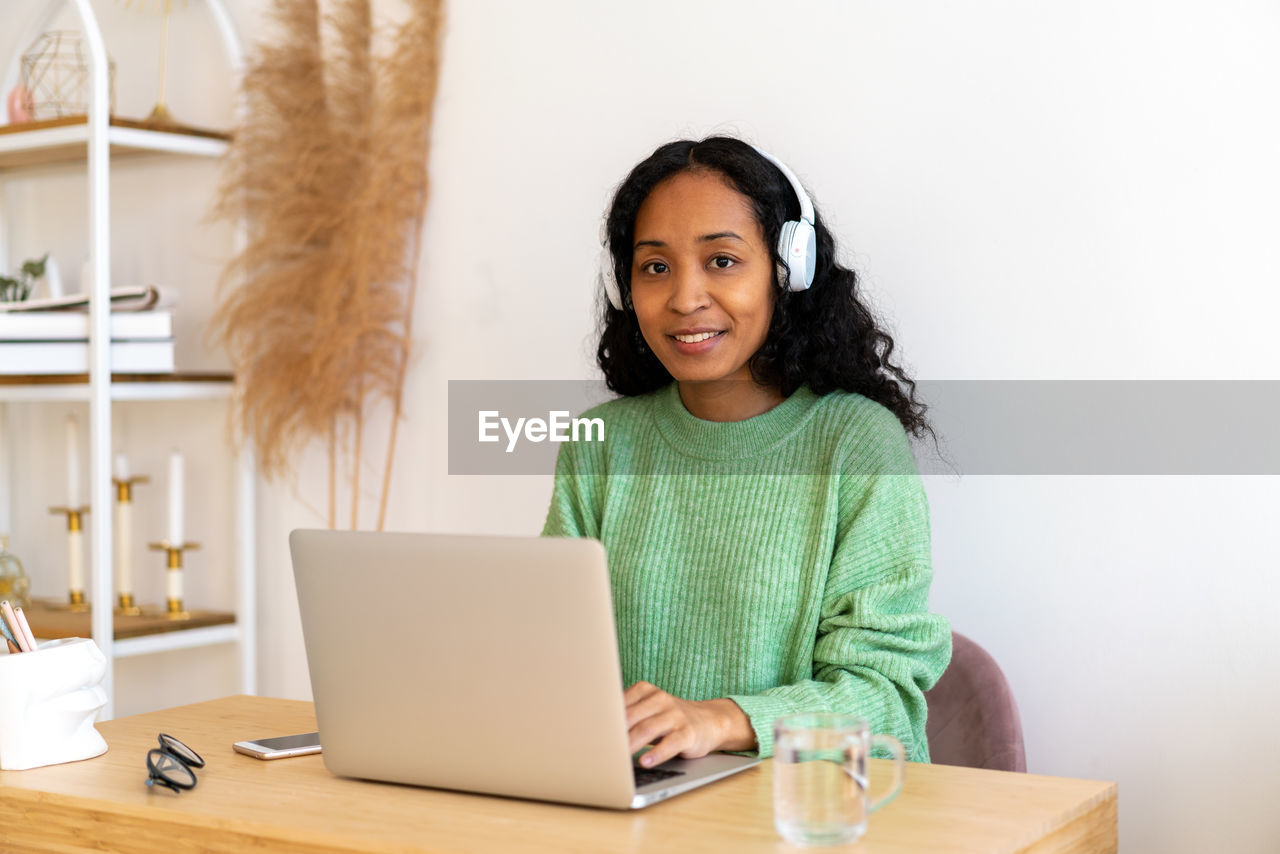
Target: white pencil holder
[{"x": 49, "y": 699}]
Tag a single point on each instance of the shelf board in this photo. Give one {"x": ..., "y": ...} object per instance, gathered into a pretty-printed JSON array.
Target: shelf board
[
  {"x": 179, "y": 386},
  {"x": 182, "y": 639},
  {"x": 50, "y": 621},
  {"x": 66, "y": 140}
]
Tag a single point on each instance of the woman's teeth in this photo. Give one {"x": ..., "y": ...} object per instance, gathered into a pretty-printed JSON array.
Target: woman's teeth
[{"x": 694, "y": 339}]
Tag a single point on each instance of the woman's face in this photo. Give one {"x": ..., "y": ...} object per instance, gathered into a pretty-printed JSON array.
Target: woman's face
[{"x": 701, "y": 278}]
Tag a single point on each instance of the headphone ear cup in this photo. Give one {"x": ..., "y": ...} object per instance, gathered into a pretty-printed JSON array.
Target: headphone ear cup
[
  {"x": 606, "y": 279},
  {"x": 798, "y": 247},
  {"x": 806, "y": 260},
  {"x": 784, "y": 253}
]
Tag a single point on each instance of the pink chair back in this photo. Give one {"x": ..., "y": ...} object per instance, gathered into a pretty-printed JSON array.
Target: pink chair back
[{"x": 973, "y": 717}]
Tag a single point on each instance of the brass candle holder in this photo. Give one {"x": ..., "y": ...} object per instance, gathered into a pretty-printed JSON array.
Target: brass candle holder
[
  {"x": 75, "y": 556},
  {"x": 124, "y": 540},
  {"x": 174, "y": 609}
]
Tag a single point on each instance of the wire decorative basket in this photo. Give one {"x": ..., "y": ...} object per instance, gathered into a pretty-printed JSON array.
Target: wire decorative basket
[{"x": 57, "y": 74}]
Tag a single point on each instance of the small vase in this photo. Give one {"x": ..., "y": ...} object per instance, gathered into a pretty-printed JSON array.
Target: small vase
[{"x": 14, "y": 584}]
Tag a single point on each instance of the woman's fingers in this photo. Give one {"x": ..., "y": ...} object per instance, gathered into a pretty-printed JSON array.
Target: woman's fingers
[
  {"x": 639, "y": 691},
  {"x": 668, "y": 747},
  {"x": 675, "y": 727},
  {"x": 647, "y": 705},
  {"x": 651, "y": 720}
]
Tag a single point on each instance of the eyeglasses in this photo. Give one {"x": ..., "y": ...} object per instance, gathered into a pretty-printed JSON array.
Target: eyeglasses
[{"x": 170, "y": 764}]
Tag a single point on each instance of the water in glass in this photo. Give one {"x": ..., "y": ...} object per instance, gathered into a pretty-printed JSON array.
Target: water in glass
[{"x": 819, "y": 798}]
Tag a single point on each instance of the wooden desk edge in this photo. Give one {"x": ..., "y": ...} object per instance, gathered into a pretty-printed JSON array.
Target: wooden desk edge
[
  {"x": 1092, "y": 827},
  {"x": 124, "y": 827}
]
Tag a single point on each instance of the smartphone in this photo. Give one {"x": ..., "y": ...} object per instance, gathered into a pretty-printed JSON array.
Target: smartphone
[{"x": 280, "y": 746}]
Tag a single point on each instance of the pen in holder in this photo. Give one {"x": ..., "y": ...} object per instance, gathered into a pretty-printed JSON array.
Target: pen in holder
[
  {"x": 75, "y": 556},
  {"x": 173, "y": 606},
  {"x": 48, "y": 701}
]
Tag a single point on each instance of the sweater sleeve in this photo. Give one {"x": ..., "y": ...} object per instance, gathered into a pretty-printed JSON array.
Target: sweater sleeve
[
  {"x": 878, "y": 649},
  {"x": 575, "y": 496}
]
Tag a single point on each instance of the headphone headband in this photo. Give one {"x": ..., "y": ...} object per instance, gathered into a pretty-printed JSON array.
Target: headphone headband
[{"x": 806, "y": 204}]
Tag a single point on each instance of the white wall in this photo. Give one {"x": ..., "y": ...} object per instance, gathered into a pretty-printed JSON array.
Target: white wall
[{"x": 1036, "y": 191}]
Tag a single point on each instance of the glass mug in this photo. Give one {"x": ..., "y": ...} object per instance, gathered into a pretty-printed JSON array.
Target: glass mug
[{"x": 821, "y": 790}]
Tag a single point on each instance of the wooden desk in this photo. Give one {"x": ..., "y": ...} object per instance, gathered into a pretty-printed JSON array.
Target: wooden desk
[{"x": 295, "y": 805}]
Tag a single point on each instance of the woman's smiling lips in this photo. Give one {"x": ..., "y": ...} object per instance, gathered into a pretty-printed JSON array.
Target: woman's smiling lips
[{"x": 691, "y": 342}]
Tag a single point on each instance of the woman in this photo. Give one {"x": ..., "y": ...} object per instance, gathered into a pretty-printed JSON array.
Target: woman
[{"x": 767, "y": 531}]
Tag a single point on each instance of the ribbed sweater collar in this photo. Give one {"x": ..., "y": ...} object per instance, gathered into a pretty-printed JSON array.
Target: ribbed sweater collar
[{"x": 725, "y": 440}]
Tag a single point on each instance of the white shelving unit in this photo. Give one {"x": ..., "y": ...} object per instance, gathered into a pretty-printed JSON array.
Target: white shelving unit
[{"x": 96, "y": 142}]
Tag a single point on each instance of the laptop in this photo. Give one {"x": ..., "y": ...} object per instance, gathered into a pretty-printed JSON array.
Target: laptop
[{"x": 477, "y": 663}]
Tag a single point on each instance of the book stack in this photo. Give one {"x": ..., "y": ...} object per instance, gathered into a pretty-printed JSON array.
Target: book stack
[{"x": 57, "y": 342}]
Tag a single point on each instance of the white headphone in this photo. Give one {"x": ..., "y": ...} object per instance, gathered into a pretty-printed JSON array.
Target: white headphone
[{"x": 797, "y": 245}]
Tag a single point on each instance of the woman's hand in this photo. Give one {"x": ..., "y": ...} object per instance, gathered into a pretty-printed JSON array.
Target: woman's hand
[{"x": 687, "y": 728}]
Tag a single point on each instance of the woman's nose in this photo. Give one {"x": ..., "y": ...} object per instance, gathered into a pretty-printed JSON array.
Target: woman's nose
[{"x": 688, "y": 291}]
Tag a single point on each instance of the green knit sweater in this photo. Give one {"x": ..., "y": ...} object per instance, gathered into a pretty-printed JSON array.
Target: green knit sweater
[{"x": 781, "y": 561}]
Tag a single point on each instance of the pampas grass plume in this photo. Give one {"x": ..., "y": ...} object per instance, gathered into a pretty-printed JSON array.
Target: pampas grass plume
[{"x": 328, "y": 174}]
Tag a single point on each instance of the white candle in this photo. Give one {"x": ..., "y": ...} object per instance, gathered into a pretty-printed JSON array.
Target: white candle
[
  {"x": 175, "y": 584},
  {"x": 175, "y": 499},
  {"x": 124, "y": 547},
  {"x": 75, "y": 560},
  {"x": 73, "y": 463},
  {"x": 124, "y": 532},
  {"x": 75, "y": 539}
]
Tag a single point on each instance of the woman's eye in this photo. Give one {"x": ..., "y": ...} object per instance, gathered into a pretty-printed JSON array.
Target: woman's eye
[
  {"x": 723, "y": 262},
  {"x": 654, "y": 268}
]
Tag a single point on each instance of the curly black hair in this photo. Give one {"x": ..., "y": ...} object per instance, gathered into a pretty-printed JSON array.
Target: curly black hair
[{"x": 825, "y": 336}]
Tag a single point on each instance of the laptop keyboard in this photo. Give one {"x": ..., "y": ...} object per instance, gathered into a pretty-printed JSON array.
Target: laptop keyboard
[{"x": 645, "y": 776}]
